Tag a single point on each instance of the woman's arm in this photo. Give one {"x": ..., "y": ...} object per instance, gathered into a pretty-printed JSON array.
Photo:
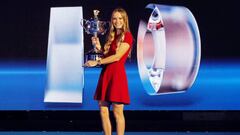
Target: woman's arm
[{"x": 123, "y": 48}]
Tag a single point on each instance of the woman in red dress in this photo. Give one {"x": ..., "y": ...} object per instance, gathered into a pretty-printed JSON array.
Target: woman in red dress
[{"x": 112, "y": 88}]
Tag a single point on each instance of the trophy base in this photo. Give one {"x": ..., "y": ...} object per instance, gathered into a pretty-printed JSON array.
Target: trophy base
[{"x": 92, "y": 55}]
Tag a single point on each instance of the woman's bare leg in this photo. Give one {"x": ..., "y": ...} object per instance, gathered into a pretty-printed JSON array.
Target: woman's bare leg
[
  {"x": 104, "y": 112},
  {"x": 119, "y": 116}
]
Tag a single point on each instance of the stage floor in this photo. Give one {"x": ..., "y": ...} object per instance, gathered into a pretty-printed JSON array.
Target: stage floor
[{"x": 127, "y": 133}]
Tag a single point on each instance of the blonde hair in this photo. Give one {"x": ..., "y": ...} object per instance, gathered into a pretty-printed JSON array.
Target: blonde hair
[{"x": 112, "y": 31}]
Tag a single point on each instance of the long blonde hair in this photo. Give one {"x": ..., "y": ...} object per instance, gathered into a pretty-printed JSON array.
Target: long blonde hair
[{"x": 112, "y": 31}]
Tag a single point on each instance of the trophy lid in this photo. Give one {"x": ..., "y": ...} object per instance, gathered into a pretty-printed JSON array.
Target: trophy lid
[{"x": 95, "y": 13}]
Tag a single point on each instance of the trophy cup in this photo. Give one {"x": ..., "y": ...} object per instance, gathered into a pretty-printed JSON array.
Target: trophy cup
[{"x": 94, "y": 27}]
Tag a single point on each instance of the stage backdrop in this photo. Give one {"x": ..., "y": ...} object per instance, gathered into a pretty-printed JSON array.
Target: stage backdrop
[{"x": 24, "y": 47}]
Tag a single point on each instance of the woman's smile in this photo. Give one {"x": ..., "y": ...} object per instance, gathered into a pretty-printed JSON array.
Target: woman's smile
[{"x": 117, "y": 20}]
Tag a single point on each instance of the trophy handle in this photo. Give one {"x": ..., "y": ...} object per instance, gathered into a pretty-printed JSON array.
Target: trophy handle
[{"x": 82, "y": 22}]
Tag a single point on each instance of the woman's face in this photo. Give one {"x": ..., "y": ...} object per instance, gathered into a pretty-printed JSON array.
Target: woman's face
[{"x": 117, "y": 20}]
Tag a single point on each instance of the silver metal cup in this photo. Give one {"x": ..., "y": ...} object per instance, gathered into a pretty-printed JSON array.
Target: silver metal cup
[{"x": 94, "y": 27}]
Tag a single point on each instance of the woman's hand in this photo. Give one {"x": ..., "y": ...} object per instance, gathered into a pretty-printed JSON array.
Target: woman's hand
[
  {"x": 96, "y": 43},
  {"x": 91, "y": 63}
]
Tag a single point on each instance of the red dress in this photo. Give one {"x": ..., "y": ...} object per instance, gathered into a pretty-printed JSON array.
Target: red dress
[{"x": 112, "y": 84}]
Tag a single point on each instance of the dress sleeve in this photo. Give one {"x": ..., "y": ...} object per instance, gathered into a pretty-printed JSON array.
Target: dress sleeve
[{"x": 128, "y": 38}]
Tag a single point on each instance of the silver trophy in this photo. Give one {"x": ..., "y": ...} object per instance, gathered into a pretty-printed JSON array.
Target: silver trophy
[{"x": 94, "y": 27}]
